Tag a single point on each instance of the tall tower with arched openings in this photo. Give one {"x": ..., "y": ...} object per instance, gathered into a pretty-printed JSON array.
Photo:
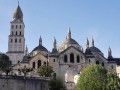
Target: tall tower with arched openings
[{"x": 16, "y": 39}]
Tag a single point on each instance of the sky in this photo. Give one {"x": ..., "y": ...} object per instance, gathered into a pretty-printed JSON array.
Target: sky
[{"x": 99, "y": 19}]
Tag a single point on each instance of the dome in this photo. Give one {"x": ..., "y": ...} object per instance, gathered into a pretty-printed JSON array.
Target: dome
[
  {"x": 70, "y": 41},
  {"x": 40, "y": 48},
  {"x": 95, "y": 50}
]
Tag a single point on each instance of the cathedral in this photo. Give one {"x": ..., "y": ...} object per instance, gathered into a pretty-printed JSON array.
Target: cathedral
[{"x": 67, "y": 60}]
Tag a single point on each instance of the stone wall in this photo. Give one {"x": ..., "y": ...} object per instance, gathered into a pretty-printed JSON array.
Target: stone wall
[{"x": 23, "y": 83}]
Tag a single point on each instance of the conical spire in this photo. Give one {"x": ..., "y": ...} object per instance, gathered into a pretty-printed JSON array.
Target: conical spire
[
  {"x": 26, "y": 50},
  {"x": 69, "y": 33},
  {"x": 54, "y": 43},
  {"x": 40, "y": 41},
  {"x": 109, "y": 53},
  {"x": 87, "y": 43},
  {"x": 92, "y": 45},
  {"x": 18, "y": 15}
]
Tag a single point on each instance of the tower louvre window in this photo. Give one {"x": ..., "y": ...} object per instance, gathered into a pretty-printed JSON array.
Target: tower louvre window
[
  {"x": 20, "y": 32},
  {"x": 15, "y": 40},
  {"x": 16, "y": 32}
]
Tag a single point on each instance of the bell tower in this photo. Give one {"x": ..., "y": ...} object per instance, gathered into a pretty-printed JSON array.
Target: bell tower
[{"x": 16, "y": 40}]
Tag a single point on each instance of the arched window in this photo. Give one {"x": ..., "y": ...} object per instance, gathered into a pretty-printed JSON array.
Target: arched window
[
  {"x": 16, "y": 40},
  {"x": 97, "y": 62},
  {"x": 39, "y": 63},
  {"x": 16, "y": 32},
  {"x": 72, "y": 58},
  {"x": 103, "y": 64},
  {"x": 65, "y": 58},
  {"x": 19, "y": 40},
  {"x": 78, "y": 59},
  {"x": 33, "y": 64},
  {"x": 20, "y": 32}
]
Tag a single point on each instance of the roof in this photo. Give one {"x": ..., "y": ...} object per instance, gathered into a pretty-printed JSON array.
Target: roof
[
  {"x": 94, "y": 49},
  {"x": 70, "y": 41},
  {"x": 40, "y": 48},
  {"x": 54, "y": 51},
  {"x": 117, "y": 60},
  {"x": 18, "y": 14}
]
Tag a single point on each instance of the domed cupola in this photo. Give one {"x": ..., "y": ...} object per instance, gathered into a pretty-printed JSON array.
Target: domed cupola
[
  {"x": 40, "y": 48},
  {"x": 94, "y": 49},
  {"x": 69, "y": 42}
]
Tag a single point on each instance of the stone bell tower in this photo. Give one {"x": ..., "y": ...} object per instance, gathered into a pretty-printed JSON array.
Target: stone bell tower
[{"x": 16, "y": 40}]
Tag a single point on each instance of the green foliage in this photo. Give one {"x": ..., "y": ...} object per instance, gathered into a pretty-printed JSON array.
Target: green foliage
[
  {"x": 4, "y": 62},
  {"x": 56, "y": 84},
  {"x": 92, "y": 78},
  {"x": 112, "y": 81},
  {"x": 45, "y": 70}
]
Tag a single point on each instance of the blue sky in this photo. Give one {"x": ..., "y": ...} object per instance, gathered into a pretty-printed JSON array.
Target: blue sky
[{"x": 49, "y": 18}]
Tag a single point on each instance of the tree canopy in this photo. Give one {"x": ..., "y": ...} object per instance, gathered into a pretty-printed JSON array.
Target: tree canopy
[
  {"x": 96, "y": 77},
  {"x": 4, "y": 62},
  {"x": 45, "y": 70},
  {"x": 56, "y": 84}
]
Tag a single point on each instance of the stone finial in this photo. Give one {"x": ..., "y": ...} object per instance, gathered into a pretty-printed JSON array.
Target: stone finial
[
  {"x": 87, "y": 43},
  {"x": 69, "y": 33},
  {"x": 92, "y": 45},
  {"x": 109, "y": 52},
  {"x": 40, "y": 41},
  {"x": 54, "y": 43}
]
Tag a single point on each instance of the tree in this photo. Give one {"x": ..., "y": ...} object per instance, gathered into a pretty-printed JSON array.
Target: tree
[
  {"x": 96, "y": 77},
  {"x": 45, "y": 70},
  {"x": 112, "y": 81},
  {"x": 92, "y": 78},
  {"x": 56, "y": 84},
  {"x": 4, "y": 62}
]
